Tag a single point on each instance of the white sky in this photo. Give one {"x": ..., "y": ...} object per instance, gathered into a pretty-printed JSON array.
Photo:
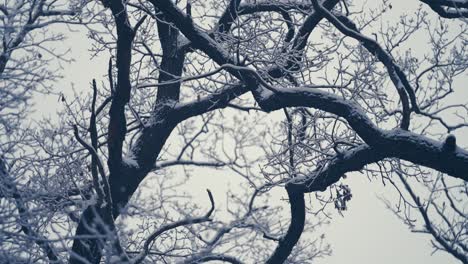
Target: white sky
[{"x": 368, "y": 232}]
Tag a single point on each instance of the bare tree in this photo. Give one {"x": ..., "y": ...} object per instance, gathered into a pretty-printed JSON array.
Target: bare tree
[{"x": 198, "y": 84}]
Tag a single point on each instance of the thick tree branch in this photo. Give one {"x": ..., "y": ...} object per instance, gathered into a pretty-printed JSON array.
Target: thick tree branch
[
  {"x": 172, "y": 61},
  {"x": 449, "y": 8},
  {"x": 117, "y": 121},
  {"x": 229, "y": 16},
  {"x": 448, "y": 3},
  {"x": 296, "y": 226},
  {"x": 351, "y": 160}
]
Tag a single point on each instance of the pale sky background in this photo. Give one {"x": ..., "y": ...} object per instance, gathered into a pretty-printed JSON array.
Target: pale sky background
[{"x": 368, "y": 233}]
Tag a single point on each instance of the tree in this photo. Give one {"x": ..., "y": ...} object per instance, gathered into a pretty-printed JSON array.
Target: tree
[{"x": 196, "y": 83}]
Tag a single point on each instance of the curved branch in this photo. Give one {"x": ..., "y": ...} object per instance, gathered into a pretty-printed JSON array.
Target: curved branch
[
  {"x": 117, "y": 120},
  {"x": 296, "y": 226},
  {"x": 351, "y": 160},
  {"x": 404, "y": 89},
  {"x": 395, "y": 144},
  {"x": 165, "y": 228},
  {"x": 103, "y": 195}
]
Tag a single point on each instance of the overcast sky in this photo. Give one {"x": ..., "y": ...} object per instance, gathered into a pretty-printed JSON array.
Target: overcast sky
[{"x": 368, "y": 232}]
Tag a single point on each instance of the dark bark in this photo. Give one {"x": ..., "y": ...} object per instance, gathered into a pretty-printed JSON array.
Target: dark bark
[
  {"x": 89, "y": 247},
  {"x": 3, "y": 61},
  {"x": 401, "y": 83},
  {"x": 449, "y": 8},
  {"x": 172, "y": 61},
  {"x": 229, "y": 16},
  {"x": 296, "y": 226}
]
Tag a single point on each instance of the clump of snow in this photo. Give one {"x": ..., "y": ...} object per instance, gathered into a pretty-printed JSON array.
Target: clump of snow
[
  {"x": 265, "y": 94},
  {"x": 130, "y": 160},
  {"x": 115, "y": 259},
  {"x": 298, "y": 179}
]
